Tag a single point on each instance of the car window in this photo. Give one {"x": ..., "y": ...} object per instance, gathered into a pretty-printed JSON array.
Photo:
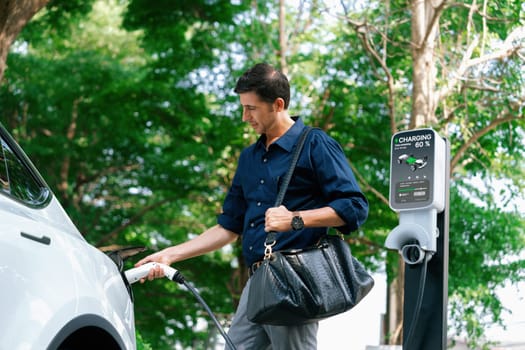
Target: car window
[{"x": 16, "y": 179}]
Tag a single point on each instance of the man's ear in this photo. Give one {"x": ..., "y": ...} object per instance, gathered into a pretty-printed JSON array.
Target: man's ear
[{"x": 278, "y": 104}]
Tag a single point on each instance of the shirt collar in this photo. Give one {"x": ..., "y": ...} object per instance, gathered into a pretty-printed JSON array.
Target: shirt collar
[{"x": 288, "y": 140}]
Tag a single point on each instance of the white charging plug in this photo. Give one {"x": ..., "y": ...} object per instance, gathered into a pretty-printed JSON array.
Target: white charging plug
[{"x": 137, "y": 273}]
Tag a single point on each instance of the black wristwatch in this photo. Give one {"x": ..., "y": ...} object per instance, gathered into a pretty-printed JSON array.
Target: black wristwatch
[{"x": 297, "y": 221}]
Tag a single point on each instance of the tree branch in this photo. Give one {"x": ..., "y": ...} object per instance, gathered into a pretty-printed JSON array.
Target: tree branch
[
  {"x": 14, "y": 15},
  {"x": 362, "y": 31},
  {"x": 508, "y": 50},
  {"x": 367, "y": 186},
  {"x": 373, "y": 246},
  {"x": 132, "y": 220},
  {"x": 476, "y": 136},
  {"x": 83, "y": 180},
  {"x": 66, "y": 163},
  {"x": 436, "y": 14}
]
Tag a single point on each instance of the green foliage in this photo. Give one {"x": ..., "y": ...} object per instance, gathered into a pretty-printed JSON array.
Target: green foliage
[
  {"x": 57, "y": 19},
  {"x": 127, "y": 109},
  {"x": 486, "y": 245},
  {"x": 141, "y": 345}
]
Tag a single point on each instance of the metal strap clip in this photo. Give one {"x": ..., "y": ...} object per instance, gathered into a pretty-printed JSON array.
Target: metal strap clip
[{"x": 268, "y": 249}]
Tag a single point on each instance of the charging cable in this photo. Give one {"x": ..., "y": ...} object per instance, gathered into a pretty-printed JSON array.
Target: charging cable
[
  {"x": 137, "y": 273},
  {"x": 424, "y": 259}
]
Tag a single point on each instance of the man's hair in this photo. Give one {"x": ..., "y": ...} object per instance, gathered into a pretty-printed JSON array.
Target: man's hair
[{"x": 267, "y": 82}]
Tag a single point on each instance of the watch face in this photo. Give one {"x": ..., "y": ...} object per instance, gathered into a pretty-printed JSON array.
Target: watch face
[{"x": 297, "y": 223}]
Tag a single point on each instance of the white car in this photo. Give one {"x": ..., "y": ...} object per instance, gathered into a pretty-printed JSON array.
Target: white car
[{"x": 56, "y": 290}]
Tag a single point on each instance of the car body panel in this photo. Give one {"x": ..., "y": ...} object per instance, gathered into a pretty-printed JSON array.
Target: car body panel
[{"x": 52, "y": 280}]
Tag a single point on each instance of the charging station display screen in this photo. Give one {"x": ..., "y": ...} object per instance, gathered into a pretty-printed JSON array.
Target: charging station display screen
[{"x": 412, "y": 169}]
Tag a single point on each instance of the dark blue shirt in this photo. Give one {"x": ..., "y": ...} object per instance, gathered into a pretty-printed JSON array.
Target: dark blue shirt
[{"x": 322, "y": 178}]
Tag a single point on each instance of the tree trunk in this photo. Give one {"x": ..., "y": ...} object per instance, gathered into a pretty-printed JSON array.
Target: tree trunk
[
  {"x": 283, "y": 42},
  {"x": 14, "y": 14},
  {"x": 424, "y": 25},
  {"x": 394, "y": 321}
]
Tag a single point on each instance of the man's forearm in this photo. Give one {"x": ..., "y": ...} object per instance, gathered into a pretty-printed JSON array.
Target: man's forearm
[
  {"x": 280, "y": 219},
  {"x": 210, "y": 240},
  {"x": 321, "y": 217}
]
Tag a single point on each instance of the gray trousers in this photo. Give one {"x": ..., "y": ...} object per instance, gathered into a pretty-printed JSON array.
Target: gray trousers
[{"x": 247, "y": 335}]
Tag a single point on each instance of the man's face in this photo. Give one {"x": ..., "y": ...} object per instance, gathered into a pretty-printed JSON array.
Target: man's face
[{"x": 260, "y": 114}]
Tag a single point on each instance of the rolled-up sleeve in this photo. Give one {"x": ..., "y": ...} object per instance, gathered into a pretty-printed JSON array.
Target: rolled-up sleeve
[
  {"x": 337, "y": 181},
  {"x": 234, "y": 207}
]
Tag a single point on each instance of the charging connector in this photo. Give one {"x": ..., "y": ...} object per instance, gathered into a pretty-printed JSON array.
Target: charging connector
[
  {"x": 137, "y": 273},
  {"x": 413, "y": 254}
]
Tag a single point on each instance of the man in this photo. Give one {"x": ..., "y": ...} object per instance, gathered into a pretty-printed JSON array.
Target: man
[{"x": 323, "y": 193}]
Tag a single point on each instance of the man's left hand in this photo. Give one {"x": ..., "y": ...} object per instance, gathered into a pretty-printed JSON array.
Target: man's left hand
[{"x": 278, "y": 219}]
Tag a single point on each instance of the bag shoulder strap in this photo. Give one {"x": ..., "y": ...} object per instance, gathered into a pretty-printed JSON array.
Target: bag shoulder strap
[{"x": 271, "y": 236}]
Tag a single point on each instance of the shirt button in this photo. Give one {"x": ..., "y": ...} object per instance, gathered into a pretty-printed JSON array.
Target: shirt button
[
  {"x": 262, "y": 181},
  {"x": 258, "y": 204},
  {"x": 251, "y": 248},
  {"x": 252, "y": 224},
  {"x": 265, "y": 160}
]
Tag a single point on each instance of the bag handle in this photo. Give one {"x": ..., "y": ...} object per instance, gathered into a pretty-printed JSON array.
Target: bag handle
[{"x": 272, "y": 235}]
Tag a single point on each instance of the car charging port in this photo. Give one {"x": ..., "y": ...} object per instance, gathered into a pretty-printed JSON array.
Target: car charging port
[{"x": 118, "y": 255}]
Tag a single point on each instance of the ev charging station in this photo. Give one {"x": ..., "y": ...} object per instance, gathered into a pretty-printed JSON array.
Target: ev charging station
[{"x": 419, "y": 193}]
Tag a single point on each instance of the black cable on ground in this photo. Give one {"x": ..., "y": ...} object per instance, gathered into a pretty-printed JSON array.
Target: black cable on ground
[{"x": 180, "y": 279}]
